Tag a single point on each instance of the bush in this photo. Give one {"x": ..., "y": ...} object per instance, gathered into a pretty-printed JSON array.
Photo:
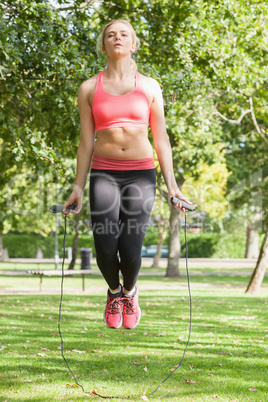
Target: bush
[
  {"x": 214, "y": 245},
  {"x": 23, "y": 245},
  {"x": 200, "y": 245}
]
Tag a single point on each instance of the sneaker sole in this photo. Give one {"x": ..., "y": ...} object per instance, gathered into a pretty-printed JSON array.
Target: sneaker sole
[{"x": 137, "y": 321}]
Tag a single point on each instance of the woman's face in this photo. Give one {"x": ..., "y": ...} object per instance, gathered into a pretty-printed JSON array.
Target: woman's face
[{"x": 118, "y": 40}]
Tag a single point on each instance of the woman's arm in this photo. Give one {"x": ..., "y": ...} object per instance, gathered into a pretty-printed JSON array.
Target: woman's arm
[
  {"x": 86, "y": 145},
  {"x": 162, "y": 144}
]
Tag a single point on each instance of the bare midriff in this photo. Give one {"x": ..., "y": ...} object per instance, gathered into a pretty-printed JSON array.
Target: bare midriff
[{"x": 123, "y": 142}]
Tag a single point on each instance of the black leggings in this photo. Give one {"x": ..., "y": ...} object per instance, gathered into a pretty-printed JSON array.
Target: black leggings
[{"x": 120, "y": 204}]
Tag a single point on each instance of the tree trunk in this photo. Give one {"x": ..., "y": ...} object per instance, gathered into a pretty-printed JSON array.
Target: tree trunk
[
  {"x": 259, "y": 271},
  {"x": 162, "y": 234},
  {"x": 174, "y": 245},
  {"x": 1, "y": 246},
  {"x": 75, "y": 240},
  {"x": 252, "y": 246}
]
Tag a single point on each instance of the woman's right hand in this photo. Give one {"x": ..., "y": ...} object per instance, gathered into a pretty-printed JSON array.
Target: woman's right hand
[{"x": 75, "y": 198}]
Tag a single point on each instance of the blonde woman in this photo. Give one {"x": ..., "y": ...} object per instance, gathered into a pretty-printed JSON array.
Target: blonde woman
[{"x": 115, "y": 108}]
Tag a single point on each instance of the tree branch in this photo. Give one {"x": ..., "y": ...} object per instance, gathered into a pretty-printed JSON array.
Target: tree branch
[
  {"x": 259, "y": 131},
  {"x": 82, "y": 5},
  {"x": 88, "y": 3},
  {"x": 238, "y": 121}
]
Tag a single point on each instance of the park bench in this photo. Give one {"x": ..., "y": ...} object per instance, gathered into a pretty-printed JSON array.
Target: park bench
[
  {"x": 67, "y": 273},
  {"x": 50, "y": 273}
]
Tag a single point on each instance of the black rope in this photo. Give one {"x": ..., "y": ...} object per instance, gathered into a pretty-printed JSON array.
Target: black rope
[
  {"x": 190, "y": 327},
  {"x": 61, "y": 297}
]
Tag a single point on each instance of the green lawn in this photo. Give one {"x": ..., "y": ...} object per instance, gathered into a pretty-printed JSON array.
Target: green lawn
[{"x": 226, "y": 359}]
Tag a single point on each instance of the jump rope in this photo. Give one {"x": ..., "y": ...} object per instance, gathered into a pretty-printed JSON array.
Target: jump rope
[{"x": 174, "y": 201}]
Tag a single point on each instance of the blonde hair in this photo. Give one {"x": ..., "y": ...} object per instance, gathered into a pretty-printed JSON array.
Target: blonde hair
[{"x": 101, "y": 37}]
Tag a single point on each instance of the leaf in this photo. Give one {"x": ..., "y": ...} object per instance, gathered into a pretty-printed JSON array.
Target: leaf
[
  {"x": 191, "y": 381},
  {"x": 97, "y": 351},
  {"x": 163, "y": 334},
  {"x": 145, "y": 368},
  {"x": 137, "y": 364},
  {"x": 79, "y": 351},
  {"x": 144, "y": 397},
  {"x": 45, "y": 349},
  {"x": 252, "y": 389},
  {"x": 215, "y": 396},
  {"x": 41, "y": 354},
  {"x": 72, "y": 385}
]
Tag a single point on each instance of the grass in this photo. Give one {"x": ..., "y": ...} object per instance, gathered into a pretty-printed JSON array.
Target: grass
[{"x": 226, "y": 358}]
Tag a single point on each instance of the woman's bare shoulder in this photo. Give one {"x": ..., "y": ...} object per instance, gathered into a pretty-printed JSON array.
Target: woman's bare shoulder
[
  {"x": 149, "y": 80},
  {"x": 151, "y": 87},
  {"x": 150, "y": 83},
  {"x": 87, "y": 89},
  {"x": 89, "y": 85}
]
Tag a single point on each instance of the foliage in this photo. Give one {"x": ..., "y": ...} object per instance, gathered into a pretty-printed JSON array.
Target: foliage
[
  {"x": 200, "y": 245},
  {"x": 26, "y": 245},
  {"x": 41, "y": 68},
  {"x": 210, "y": 59},
  {"x": 247, "y": 187},
  {"x": 208, "y": 192}
]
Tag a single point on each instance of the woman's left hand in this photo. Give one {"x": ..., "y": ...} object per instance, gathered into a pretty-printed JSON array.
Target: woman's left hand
[{"x": 177, "y": 193}]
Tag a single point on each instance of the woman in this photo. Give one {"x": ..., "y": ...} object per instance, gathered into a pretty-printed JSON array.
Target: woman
[{"x": 116, "y": 106}]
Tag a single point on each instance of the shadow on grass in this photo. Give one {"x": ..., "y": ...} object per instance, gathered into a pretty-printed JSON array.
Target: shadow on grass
[{"x": 228, "y": 341}]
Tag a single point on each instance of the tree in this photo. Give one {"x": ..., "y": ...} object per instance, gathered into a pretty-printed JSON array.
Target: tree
[
  {"x": 208, "y": 47},
  {"x": 259, "y": 271},
  {"x": 40, "y": 71},
  {"x": 247, "y": 191},
  {"x": 218, "y": 55},
  {"x": 160, "y": 217}
]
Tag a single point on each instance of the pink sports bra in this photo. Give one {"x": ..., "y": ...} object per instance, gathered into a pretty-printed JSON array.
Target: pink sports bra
[{"x": 130, "y": 110}]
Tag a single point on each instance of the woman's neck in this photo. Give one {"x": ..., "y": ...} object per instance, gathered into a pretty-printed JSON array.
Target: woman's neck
[{"x": 119, "y": 69}]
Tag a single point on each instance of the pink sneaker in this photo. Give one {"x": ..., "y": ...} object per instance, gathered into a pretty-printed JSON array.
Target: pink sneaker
[
  {"x": 131, "y": 310},
  {"x": 113, "y": 311}
]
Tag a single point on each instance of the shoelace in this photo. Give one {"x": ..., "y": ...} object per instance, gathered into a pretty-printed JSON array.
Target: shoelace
[
  {"x": 114, "y": 305},
  {"x": 129, "y": 305}
]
